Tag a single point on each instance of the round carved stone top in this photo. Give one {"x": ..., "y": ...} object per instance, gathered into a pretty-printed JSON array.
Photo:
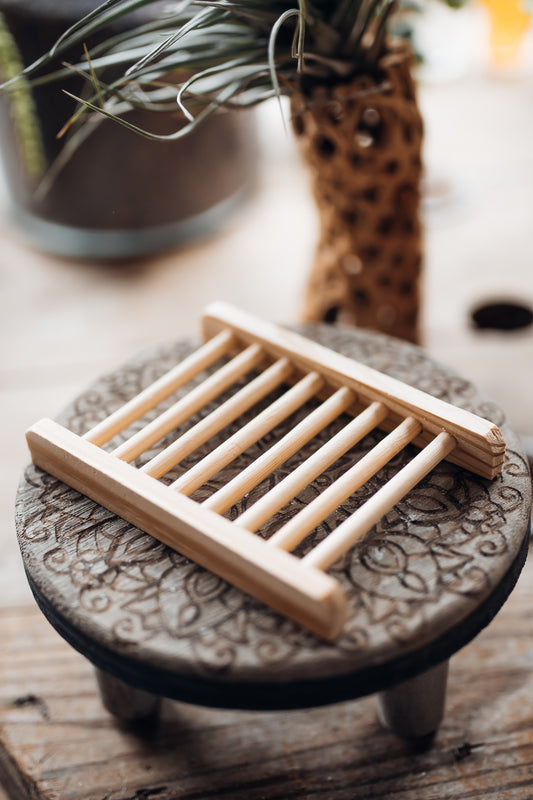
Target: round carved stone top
[{"x": 423, "y": 582}]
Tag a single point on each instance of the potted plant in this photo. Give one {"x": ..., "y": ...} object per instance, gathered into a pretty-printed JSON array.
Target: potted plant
[
  {"x": 353, "y": 109},
  {"x": 56, "y": 184}
]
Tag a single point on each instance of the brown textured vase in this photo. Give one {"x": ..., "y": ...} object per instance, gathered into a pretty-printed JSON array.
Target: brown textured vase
[{"x": 362, "y": 142}]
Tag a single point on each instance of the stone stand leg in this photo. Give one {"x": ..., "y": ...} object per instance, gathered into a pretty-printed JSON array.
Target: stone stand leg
[
  {"x": 415, "y": 708},
  {"x": 124, "y": 701}
]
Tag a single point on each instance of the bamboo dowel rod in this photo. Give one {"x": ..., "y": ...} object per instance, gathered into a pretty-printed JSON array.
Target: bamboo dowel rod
[
  {"x": 192, "y": 402},
  {"x": 256, "y": 472},
  {"x": 162, "y": 388},
  {"x": 315, "y": 465},
  {"x": 294, "y": 531},
  {"x": 354, "y": 528},
  {"x": 279, "y": 410},
  {"x": 223, "y": 415}
]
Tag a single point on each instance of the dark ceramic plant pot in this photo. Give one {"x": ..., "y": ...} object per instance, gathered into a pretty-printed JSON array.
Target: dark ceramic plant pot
[{"x": 119, "y": 195}]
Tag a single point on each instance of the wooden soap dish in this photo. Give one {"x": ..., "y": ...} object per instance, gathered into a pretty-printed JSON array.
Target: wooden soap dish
[{"x": 274, "y": 357}]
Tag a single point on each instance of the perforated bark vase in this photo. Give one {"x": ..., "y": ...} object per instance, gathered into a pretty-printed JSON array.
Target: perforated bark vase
[{"x": 362, "y": 142}]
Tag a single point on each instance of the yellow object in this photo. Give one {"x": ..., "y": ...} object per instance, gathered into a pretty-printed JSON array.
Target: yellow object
[{"x": 508, "y": 23}]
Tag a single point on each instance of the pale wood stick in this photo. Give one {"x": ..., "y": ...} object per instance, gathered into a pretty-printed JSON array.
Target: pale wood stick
[
  {"x": 294, "y": 531},
  {"x": 304, "y": 594},
  {"x": 282, "y": 408},
  {"x": 192, "y": 402},
  {"x": 315, "y": 465},
  {"x": 361, "y": 521},
  {"x": 244, "y": 399},
  {"x": 316, "y": 421},
  {"x": 162, "y": 388},
  {"x": 480, "y": 444}
]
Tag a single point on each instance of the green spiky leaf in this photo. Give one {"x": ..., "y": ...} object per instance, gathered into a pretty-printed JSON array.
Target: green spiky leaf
[{"x": 201, "y": 55}]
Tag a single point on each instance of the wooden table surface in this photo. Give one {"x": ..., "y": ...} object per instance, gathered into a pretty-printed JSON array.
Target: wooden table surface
[
  {"x": 65, "y": 322},
  {"x": 64, "y": 746}
]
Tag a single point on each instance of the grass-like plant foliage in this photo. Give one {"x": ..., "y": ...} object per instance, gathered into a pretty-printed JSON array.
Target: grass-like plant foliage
[{"x": 207, "y": 54}]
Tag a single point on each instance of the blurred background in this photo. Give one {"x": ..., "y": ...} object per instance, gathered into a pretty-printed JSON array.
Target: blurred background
[{"x": 66, "y": 320}]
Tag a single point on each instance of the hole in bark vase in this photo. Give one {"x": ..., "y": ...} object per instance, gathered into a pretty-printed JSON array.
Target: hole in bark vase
[
  {"x": 361, "y": 298},
  {"x": 385, "y": 225},
  {"x": 370, "y": 253},
  {"x": 118, "y": 195},
  {"x": 397, "y": 260},
  {"x": 351, "y": 218},
  {"x": 502, "y": 316},
  {"x": 325, "y": 146},
  {"x": 331, "y": 314},
  {"x": 371, "y": 195}
]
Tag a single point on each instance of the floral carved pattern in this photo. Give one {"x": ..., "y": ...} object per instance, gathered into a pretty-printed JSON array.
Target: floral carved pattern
[{"x": 431, "y": 560}]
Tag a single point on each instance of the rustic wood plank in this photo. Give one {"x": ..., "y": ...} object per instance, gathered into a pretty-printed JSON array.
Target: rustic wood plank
[{"x": 56, "y": 741}]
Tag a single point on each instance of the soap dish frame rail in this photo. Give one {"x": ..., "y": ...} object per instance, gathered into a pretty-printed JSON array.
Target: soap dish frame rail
[{"x": 297, "y": 587}]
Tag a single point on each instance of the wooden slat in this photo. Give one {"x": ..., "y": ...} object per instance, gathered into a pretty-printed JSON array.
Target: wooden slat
[
  {"x": 315, "y": 465},
  {"x": 57, "y": 740},
  {"x": 294, "y": 531},
  {"x": 480, "y": 444},
  {"x": 263, "y": 466},
  {"x": 223, "y": 415},
  {"x": 354, "y": 528},
  {"x": 162, "y": 388},
  {"x": 308, "y": 596},
  {"x": 279, "y": 410},
  {"x": 192, "y": 402}
]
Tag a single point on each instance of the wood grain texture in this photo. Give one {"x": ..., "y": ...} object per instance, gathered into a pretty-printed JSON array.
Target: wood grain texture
[
  {"x": 352, "y": 530},
  {"x": 190, "y": 403},
  {"x": 223, "y": 415},
  {"x": 294, "y": 531},
  {"x": 317, "y": 463},
  {"x": 279, "y": 453},
  {"x": 56, "y": 740},
  {"x": 436, "y": 568},
  {"x": 160, "y": 389}
]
